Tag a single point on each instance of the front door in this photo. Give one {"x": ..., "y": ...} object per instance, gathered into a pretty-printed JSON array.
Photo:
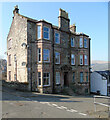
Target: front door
[{"x": 65, "y": 79}]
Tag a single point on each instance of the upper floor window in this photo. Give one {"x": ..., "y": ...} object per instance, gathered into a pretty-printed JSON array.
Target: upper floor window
[
  {"x": 81, "y": 59},
  {"x": 15, "y": 57},
  {"x": 57, "y": 57},
  {"x": 9, "y": 60},
  {"x": 39, "y": 78},
  {"x": 72, "y": 42},
  {"x": 81, "y": 42},
  {"x": 46, "y": 33},
  {"x": 57, "y": 38},
  {"x": 85, "y": 43},
  {"x": 46, "y": 55},
  {"x": 81, "y": 76},
  {"x": 72, "y": 59},
  {"x": 38, "y": 31},
  {"x": 85, "y": 60},
  {"x": 39, "y": 54},
  {"x": 57, "y": 77},
  {"x": 9, "y": 43},
  {"x": 46, "y": 79}
]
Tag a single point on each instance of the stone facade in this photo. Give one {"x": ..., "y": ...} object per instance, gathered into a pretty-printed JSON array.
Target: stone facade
[{"x": 23, "y": 45}]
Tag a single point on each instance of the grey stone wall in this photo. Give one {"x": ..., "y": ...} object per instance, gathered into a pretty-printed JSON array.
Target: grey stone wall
[{"x": 18, "y": 36}]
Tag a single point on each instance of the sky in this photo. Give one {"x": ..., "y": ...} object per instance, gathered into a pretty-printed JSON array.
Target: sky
[{"x": 91, "y": 18}]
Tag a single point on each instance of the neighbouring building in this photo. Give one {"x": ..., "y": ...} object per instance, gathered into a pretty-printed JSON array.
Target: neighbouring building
[
  {"x": 46, "y": 58},
  {"x": 3, "y": 69},
  {"x": 100, "y": 82}
]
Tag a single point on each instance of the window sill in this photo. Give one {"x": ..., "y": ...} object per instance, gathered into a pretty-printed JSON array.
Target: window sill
[
  {"x": 46, "y": 39},
  {"x": 57, "y": 84},
  {"x": 46, "y": 85},
  {"x": 73, "y": 64},
  {"x": 57, "y": 63}
]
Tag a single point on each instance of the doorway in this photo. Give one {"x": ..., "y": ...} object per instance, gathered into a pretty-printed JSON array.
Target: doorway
[{"x": 65, "y": 79}]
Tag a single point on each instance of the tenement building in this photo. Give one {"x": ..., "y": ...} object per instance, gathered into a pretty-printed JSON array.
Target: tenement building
[{"x": 47, "y": 58}]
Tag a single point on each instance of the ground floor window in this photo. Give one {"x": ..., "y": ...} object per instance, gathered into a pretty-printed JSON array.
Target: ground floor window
[
  {"x": 15, "y": 77},
  {"x": 39, "y": 78},
  {"x": 57, "y": 77},
  {"x": 46, "y": 79},
  {"x": 73, "y": 77},
  {"x": 109, "y": 89},
  {"x": 86, "y": 76},
  {"x": 81, "y": 76},
  {"x": 10, "y": 75}
]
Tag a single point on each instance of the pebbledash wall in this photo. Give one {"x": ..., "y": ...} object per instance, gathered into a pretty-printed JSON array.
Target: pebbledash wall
[{"x": 52, "y": 68}]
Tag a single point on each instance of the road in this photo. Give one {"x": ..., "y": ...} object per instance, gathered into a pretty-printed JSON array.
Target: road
[{"x": 17, "y": 104}]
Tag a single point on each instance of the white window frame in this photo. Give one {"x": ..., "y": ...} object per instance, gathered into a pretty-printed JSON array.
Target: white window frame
[
  {"x": 85, "y": 59},
  {"x": 49, "y": 79},
  {"x": 81, "y": 42},
  {"x": 55, "y": 58},
  {"x": 39, "y": 53},
  {"x": 47, "y": 54},
  {"x": 72, "y": 58},
  {"x": 39, "y": 32},
  {"x": 57, "y": 78},
  {"x": 72, "y": 41},
  {"x": 39, "y": 77},
  {"x": 57, "y": 37},
  {"x": 47, "y": 32},
  {"x": 81, "y": 56}
]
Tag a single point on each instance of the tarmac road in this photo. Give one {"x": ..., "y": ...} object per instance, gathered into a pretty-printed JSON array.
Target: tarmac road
[{"x": 17, "y": 104}]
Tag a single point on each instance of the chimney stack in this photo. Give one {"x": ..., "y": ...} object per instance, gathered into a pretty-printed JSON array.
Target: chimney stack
[
  {"x": 73, "y": 28},
  {"x": 64, "y": 21},
  {"x": 16, "y": 10}
]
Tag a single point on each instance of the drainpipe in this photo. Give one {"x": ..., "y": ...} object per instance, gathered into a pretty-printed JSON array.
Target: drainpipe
[
  {"x": 53, "y": 88},
  {"x": 89, "y": 67}
]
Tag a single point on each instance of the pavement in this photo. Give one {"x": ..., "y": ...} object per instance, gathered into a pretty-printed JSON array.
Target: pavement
[{"x": 18, "y": 104}]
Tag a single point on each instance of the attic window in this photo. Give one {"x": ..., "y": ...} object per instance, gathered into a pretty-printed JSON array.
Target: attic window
[{"x": 23, "y": 63}]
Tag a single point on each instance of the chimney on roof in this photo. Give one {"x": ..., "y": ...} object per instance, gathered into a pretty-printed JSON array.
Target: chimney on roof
[
  {"x": 64, "y": 21},
  {"x": 73, "y": 28},
  {"x": 16, "y": 10}
]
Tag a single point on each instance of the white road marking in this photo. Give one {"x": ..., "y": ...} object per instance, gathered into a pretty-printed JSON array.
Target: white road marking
[
  {"x": 59, "y": 107},
  {"x": 83, "y": 114},
  {"x": 11, "y": 103},
  {"x": 64, "y": 107},
  {"x": 72, "y": 110},
  {"x": 54, "y": 105}
]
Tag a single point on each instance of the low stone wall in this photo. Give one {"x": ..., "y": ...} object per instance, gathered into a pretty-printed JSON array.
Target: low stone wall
[
  {"x": 47, "y": 90},
  {"x": 81, "y": 89},
  {"x": 16, "y": 85}
]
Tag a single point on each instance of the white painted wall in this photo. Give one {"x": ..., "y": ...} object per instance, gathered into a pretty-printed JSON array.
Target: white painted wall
[{"x": 97, "y": 83}]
